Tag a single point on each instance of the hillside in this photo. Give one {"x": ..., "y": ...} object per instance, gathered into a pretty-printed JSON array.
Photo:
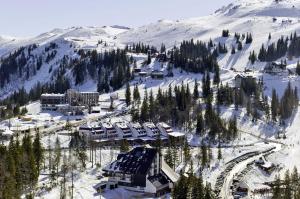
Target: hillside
[{"x": 197, "y": 92}]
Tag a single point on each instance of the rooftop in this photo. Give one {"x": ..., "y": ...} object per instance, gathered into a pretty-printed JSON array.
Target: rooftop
[
  {"x": 137, "y": 161},
  {"x": 53, "y": 95},
  {"x": 149, "y": 125}
]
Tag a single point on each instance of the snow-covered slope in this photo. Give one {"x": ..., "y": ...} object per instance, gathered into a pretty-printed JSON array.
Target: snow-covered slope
[
  {"x": 242, "y": 16},
  {"x": 83, "y": 36}
]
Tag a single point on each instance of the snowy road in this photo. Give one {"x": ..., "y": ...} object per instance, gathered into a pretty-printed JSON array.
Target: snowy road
[{"x": 237, "y": 165}]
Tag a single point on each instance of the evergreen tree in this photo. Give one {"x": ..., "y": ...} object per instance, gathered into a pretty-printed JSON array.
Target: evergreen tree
[
  {"x": 196, "y": 92},
  {"x": 38, "y": 151},
  {"x": 298, "y": 68},
  {"x": 124, "y": 147},
  {"x": 151, "y": 107},
  {"x": 219, "y": 152},
  {"x": 233, "y": 50},
  {"x": 274, "y": 105},
  {"x": 128, "y": 94},
  {"x": 57, "y": 151},
  {"x": 136, "y": 95},
  {"x": 217, "y": 75},
  {"x": 181, "y": 188},
  {"x": 240, "y": 46},
  {"x": 168, "y": 157},
  {"x": 186, "y": 151},
  {"x": 149, "y": 59},
  {"x": 200, "y": 124},
  {"x": 145, "y": 109},
  {"x": 252, "y": 57}
]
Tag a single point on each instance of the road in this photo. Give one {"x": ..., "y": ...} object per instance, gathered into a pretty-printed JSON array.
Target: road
[{"x": 235, "y": 166}]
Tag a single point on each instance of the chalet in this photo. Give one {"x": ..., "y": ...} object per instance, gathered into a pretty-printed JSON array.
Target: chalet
[
  {"x": 101, "y": 187},
  {"x": 275, "y": 67},
  {"x": 96, "y": 109},
  {"x": 265, "y": 166},
  {"x": 109, "y": 130},
  {"x": 123, "y": 130},
  {"x": 5, "y": 134},
  {"x": 151, "y": 129},
  {"x": 162, "y": 57},
  {"x": 242, "y": 188},
  {"x": 164, "y": 128},
  {"x": 90, "y": 132},
  {"x": 143, "y": 74},
  {"x": 239, "y": 79},
  {"x": 156, "y": 74},
  {"x": 142, "y": 170},
  {"x": 137, "y": 70},
  {"x": 137, "y": 130}
]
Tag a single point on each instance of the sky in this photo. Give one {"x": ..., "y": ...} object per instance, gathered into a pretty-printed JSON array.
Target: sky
[{"x": 22, "y": 18}]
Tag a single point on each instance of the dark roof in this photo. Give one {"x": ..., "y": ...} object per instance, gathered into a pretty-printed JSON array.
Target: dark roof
[
  {"x": 158, "y": 178},
  {"x": 137, "y": 161}
]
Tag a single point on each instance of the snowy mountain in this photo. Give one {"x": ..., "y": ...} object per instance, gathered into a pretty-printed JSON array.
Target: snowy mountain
[
  {"x": 258, "y": 17},
  {"x": 61, "y": 54}
]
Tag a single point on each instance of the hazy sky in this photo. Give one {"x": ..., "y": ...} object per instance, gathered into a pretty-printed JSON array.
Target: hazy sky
[{"x": 32, "y": 17}]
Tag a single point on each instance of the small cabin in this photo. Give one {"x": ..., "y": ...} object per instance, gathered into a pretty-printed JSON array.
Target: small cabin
[
  {"x": 143, "y": 74},
  {"x": 239, "y": 79},
  {"x": 157, "y": 74},
  {"x": 275, "y": 67},
  {"x": 137, "y": 70}
]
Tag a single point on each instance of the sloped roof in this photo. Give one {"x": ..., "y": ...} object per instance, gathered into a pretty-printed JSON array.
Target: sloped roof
[{"x": 137, "y": 161}]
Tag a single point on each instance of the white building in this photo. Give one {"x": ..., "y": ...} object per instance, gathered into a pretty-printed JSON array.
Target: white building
[
  {"x": 92, "y": 132},
  {"x": 86, "y": 99},
  {"x": 151, "y": 129},
  {"x": 109, "y": 130},
  {"x": 49, "y": 101},
  {"x": 123, "y": 130},
  {"x": 164, "y": 128},
  {"x": 137, "y": 130}
]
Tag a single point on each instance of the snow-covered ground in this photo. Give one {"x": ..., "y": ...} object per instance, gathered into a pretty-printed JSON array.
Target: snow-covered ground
[{"x": 259, "y": 17}]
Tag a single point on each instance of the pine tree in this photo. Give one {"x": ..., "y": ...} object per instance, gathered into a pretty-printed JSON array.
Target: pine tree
[
  {"x": 124, "y": 147},
  {"x": 204, "y": 155},
  {"x": 128, "y": 94},
  {"x": 219, "y": 152},
  {"x": 181, "y": 188},
  {"x": 252, "y": 57},
  {"x": 233, "y": 50},
  {"x": 298, "y": 68},
  {"x": 151, "y": 106},
  {"x": 38, "y": 151},
  {"x": 196, "y": 92},
  {"x": 274, "y": 105},
  {"x": 186, "y": 151},
  {"x": 197, "y": 188},
  {"x": 208, "y": 192},
  {"x": 168, "y": 157},
  {"x": 144, "y": 116},
  {"x": 57, "y": 154},
  {"x": 276, "y": 188},
  {"x": 149, "y": 58},
  {"x": 136, "y": 95},
  {"x": 240, "y": 46},
  {"x": 287, "y": 182},
  {"x": 200, "y": 124},
  {"x": 217, "y": 75}
]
